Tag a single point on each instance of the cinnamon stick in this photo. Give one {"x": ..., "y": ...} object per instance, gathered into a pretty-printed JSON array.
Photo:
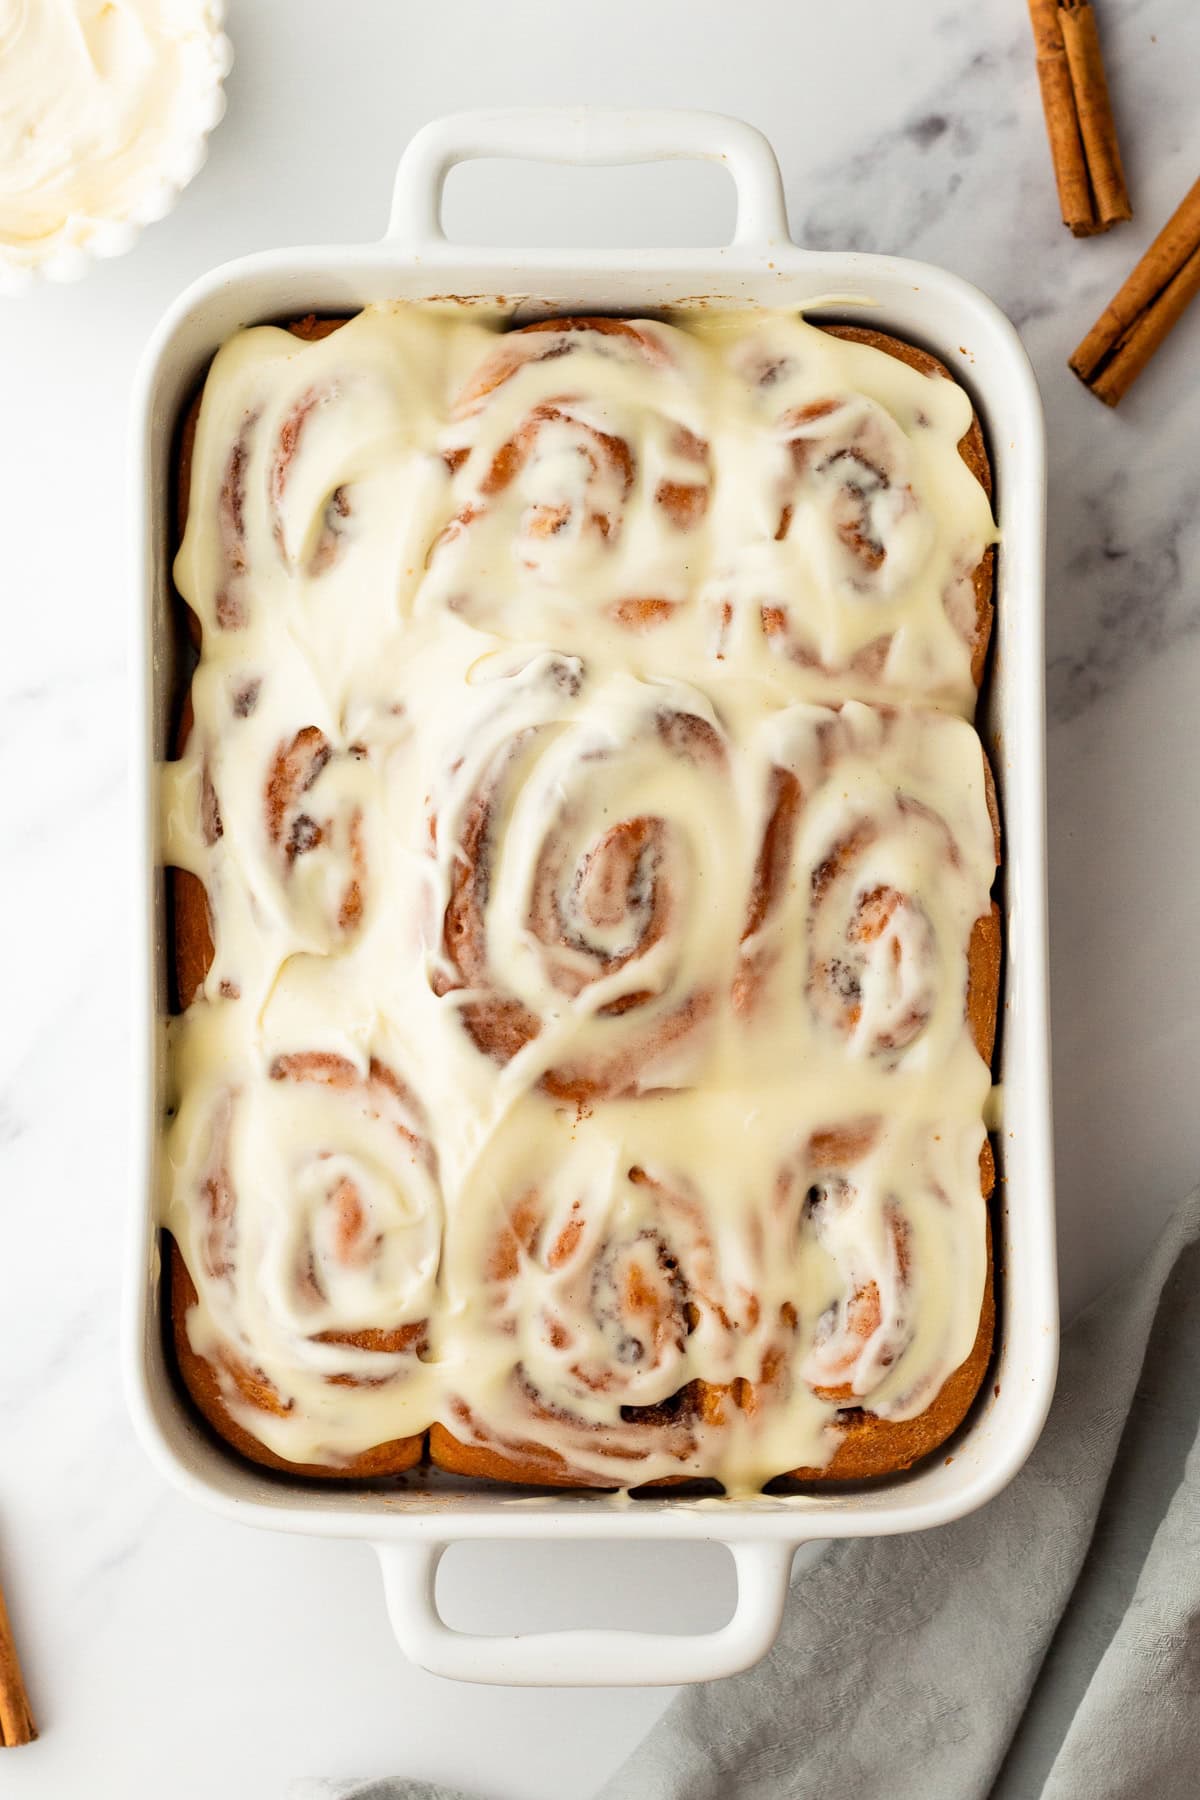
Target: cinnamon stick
[
  {"x": 1062, "y": 119},
  {"x": 16, "y": 1719},
  {"x": 1097, "y": 127},
  {"x": 1148, "y": 305},
  {"x": 1092, "y": 194}
]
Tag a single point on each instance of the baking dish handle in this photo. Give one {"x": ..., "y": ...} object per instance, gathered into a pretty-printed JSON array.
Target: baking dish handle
[
  {"x": 591, "y": 1658},
  {"x": 588, "y": 134}
]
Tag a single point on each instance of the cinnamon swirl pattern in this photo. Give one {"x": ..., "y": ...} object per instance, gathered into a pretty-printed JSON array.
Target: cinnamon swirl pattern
[
  {"x": 607, "y": 1283},
  {"x": 582, "y": 478},
  {"x": 863, "y": 556},
  {"x": 867, "y": 917},
  {"x": 312, "y": 1254},
  {"x": 311, "y": 474},
  {"x": 284, "y": 842},
  {"x": 567, "y": 844},
  {"x": 584, "y": 923}
]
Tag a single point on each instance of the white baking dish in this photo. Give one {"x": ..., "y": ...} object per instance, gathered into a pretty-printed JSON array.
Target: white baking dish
[{"x": 411, "y": 1525}]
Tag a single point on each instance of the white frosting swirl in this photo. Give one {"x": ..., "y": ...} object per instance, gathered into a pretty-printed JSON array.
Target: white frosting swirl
[{"x": 103, "y": 109}]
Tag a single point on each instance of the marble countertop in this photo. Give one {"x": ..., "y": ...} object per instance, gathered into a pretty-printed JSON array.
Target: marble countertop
[{"x": 167, "y": 1651}]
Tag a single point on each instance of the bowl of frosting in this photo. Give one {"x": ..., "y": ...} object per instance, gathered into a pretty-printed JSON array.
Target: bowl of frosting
[{"x": 105, "y": 111}]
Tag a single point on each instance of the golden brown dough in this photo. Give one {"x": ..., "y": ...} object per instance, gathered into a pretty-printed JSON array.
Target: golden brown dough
[
  {"x": 527, "y": 1464},
  {"x": 873, "y": 1447},
  {"x": 202, "y": 1382},
  {"x": 521, "y": 1464}
]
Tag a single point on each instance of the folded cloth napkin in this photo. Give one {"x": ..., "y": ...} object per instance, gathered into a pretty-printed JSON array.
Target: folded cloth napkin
[{"x": 1049, "y": 1645}]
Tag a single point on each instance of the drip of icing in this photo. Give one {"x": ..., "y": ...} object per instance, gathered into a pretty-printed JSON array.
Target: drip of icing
[{"x": 588, "y": 1008}]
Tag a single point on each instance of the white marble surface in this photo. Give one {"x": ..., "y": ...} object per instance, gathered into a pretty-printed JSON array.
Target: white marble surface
[{"x": 170, "y": 1653}]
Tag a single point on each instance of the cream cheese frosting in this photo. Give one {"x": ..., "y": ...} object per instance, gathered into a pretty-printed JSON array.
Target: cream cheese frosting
[
  {"x": 103, "y": 109},
  {"x": 587, "y": 1023}
]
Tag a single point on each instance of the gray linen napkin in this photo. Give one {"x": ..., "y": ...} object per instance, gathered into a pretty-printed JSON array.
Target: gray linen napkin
[{"x": 1049, "y": 1645}]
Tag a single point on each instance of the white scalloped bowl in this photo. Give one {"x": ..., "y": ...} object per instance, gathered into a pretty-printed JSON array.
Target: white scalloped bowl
[{"x": 70, "y": 252}]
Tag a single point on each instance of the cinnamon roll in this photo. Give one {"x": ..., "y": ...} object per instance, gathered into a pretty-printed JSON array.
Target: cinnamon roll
[
  {"x": 910, "y": 1263},
  {"x": 309, "y": 1216},
  {"x": 309, "y": 330},
  {"x": 870, "y": 922},
  {"x": 603, "y": 1298},
  {"x": 566, "y": 842},
  {"x": 303, "y": 478},
  {"x": 267, "y": 824},
  {"x": 582, "y": 479},
  {"x": 850, "y": 561}
]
